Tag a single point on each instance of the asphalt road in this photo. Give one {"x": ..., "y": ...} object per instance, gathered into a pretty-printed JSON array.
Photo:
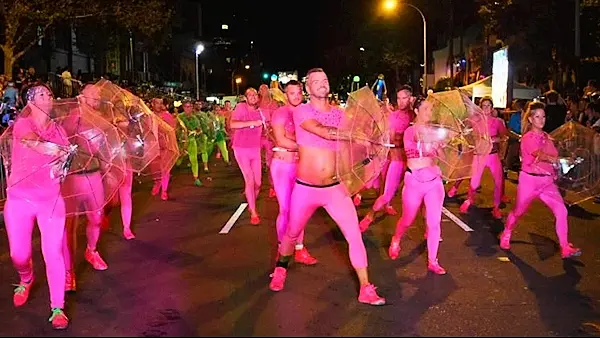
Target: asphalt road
[{"x": 181, "y": 277}]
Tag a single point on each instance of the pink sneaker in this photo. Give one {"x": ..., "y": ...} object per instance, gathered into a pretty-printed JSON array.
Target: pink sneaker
[
  {"x": 436, "y": 268},
  {"x": 570, "y": 251},
  {"x": 278, "y": 279},
  {"x": 505, "y": 240},
  {"x": 357, "y": 199},
  {"x": 390, "y": 210},
  {"x": 58, "y": 319},
  {"x": 70, "y": 282},
  {"x": 452, "y": 192},
  {"x": 496, "y": 213},
  {"x": 93, "y": 257},
  {"x": 394, "y": 249},
  {"x": 304, "y": 257},
  {"x": 155, "y": 189},
  {"x": 21, "y": 293},
  {"x": 464, "y": 208},
  {"x": 164, "y": 196},
  {"x": 365, "y": 222},
  {"x": 368, "y": 295}
]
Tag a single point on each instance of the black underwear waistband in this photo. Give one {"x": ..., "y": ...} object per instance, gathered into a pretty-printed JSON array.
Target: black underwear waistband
[{"x": 317, "y": 186}]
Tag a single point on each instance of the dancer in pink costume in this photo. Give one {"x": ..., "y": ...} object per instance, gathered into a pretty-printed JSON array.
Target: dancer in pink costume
[
  {"x": 34, "y": 196},
  {"x": 162, "y": 183},
  {"x": 452, "y": 192},
  {"x": 536, "y": 180},
  {"x": 88, "y": 188},
  {"x": 422, "y": 184},
  {"x": 399, "y": 121},
  {"x": 497, "y": 130},
  {"x": 247, "y": 125},
  {"x": 267, "y": 107},
  {"x": 284, "y": 166},
  {"x": 316, "y": 125}
]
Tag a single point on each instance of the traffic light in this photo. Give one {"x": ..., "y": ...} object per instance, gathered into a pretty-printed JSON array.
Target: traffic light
[{"x": 265, "y": 76}]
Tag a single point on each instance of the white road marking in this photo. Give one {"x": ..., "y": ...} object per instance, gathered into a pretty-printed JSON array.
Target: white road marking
[
  {"x": 456, "y": 220},
  {"x": 233, "y": 219}
]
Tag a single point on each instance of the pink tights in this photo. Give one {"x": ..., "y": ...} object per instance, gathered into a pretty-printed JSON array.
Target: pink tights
[
  {"x": 394, "y": 176},
  {"x": 284, "y": 175},
  {"x": 480, "y": 162},
  {"x": 125, "y": 196},
  {"x": 422, "y": 186},
  {"x": 249, "y": 161},
  {"x": 531, "y": 187},
  {"x": 20, "y": 217},
  {"x": 306, "y": 199}
]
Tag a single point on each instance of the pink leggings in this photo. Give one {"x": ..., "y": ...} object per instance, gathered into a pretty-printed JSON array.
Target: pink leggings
[
  {"x": 20, "y": 216},
  {"x": 90, "y": 195},
  {"x": 306, "y": 199},
  {"x": 284, "y": 176},
  {"x": 125, "y": 196},
  {"x": 267, "y": 145},
  {"x": 249, "y": 161},
  {"x": 480, "y": 162},
  {"x": 394, "y": 176},
  {"x": 531, "y": 187},
  {"x": 423, "y": 185}
]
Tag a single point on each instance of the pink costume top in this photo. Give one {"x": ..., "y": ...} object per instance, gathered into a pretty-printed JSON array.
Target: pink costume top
[
  {"x": 246, "y": 137},
  {"x": 31, "y": 174},
  {"x": 167, "y": 117},
  {"x": 284, "y": 116},
  {"x": 531, "y": 142},
  {"x": 331, "y": 118},
  {"x": 496, "y": 127},
  {"x": 416, "y": 148}
]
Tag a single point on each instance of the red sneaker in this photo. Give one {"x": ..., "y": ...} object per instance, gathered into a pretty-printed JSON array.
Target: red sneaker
[
  {"x": 357, "y": 199},
  {"x": 368, "y": 295},
  {"x": 304, "y": 257},
  {"x": 452, "y": 192},
  {"x": 58, "y": 319},
  {"x": 505, "y": 240},
  {"x": 464, "y": 208},
  {"x": 278, "y": 279},
  {"x": 394, "y": 249},
  {"x": 436, "y": 268},
  {"x": 155, "y": 189},
  {"x": 70, "y": 283},
  {"x": 390, "y": 210},
  {"x": 21, "y": 293},
  {"x": 93, "y": 257},
  {"x": 365, "y": 223},
  {"x": 496, "y": 213},
  {"x": 569, "y": 251},
  {"x": 255, "y": 220}
]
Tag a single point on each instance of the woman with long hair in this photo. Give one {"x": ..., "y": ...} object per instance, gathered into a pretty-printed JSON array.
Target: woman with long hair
[{"x": 536, "y": 180}]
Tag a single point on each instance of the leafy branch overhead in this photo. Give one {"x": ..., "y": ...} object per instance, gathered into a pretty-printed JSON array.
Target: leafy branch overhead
[{"x": 24, "y": 22}]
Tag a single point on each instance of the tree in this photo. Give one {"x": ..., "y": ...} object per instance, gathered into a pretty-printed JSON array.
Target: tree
[{"x": 26, "y": 22}]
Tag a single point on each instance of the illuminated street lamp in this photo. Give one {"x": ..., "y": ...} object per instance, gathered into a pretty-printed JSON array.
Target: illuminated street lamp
[
  {"x": 390, "y": 6},
  {"x": 238, "y": 81},
  {"x": 247, "y": 66},
  {"x": 199, "y": 50}
]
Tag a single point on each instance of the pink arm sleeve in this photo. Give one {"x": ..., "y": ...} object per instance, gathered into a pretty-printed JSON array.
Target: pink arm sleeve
[
  {"x": 528, "y": 147},
  {"x": 302, "y": 113}
]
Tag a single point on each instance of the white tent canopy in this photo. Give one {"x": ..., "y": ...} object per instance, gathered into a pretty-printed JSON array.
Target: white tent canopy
[{"x": 483, "y": 88}]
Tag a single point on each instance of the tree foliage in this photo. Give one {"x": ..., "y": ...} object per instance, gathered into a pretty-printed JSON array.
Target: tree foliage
[
  {"x": 538, "y": 31},
  {"x": 25, "y": 22}
]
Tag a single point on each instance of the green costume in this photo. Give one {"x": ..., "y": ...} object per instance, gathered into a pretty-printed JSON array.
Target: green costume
[
  {"x": 192, "y": 124},
  {"x": 221, "y": 136}
]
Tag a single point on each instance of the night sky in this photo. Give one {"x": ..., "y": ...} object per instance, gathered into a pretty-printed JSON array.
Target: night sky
[{"x": 291, "y": 34}]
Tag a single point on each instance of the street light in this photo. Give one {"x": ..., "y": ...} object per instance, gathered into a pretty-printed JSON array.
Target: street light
[
  {"x": 389, "y": 6},
  {"x": 238, "y": 80},
  {"x": 199, "y": 50},
  {"x": 247, "y": 66}
]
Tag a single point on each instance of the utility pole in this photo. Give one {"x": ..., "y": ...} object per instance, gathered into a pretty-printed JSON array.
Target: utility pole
[{"x": 577, "y": 42}]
